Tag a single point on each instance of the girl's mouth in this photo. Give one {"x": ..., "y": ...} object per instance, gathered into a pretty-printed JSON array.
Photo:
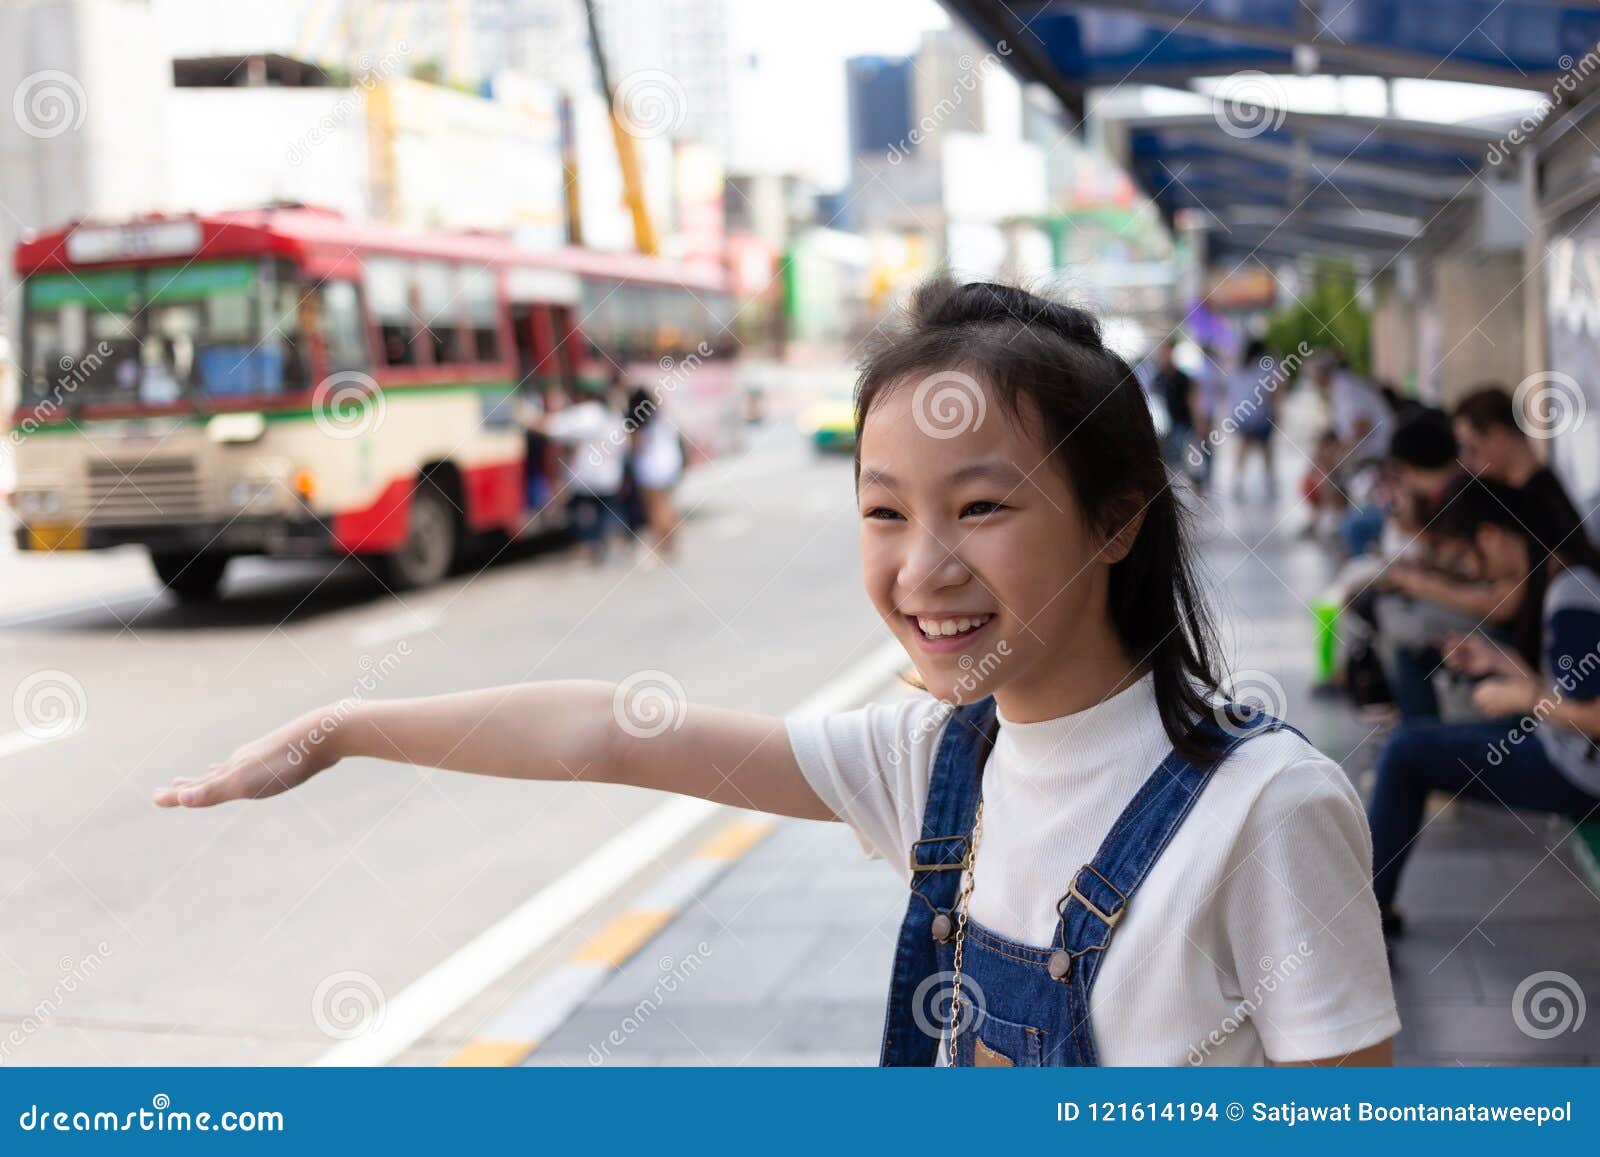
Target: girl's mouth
[{"x": 943, "y": 633}]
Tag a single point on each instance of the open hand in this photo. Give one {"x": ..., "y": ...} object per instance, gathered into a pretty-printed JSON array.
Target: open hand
[{"x": 279, "y": 760}]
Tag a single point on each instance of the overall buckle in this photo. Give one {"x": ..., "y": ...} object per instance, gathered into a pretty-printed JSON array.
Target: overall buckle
[
  {"x": 960, "y": 865},
  {"x": 1109, "y": 919}
]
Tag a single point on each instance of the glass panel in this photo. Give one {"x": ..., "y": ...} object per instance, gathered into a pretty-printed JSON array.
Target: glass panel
[
  {"x": 156, "y": 336},
  {"x": 343, "y": 327},
  {"x": 438, "y": 304},
  {"x": 389, "y": 296}
]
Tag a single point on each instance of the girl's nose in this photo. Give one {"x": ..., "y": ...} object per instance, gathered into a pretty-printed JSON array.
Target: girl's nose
[{"x": 932, "y": 564}]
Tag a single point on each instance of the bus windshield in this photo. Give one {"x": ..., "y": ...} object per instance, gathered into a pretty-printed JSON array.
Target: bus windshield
[{"x": 162, "y": 335}]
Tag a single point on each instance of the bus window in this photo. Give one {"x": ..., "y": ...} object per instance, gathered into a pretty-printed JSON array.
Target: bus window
[
  {"x": 566, "y": 338},
  {"x": 479, "y": 309},
  {"x": 344, "y": 337},
  {"x": 438, "y": 305},
  {"x": 389, "y": 297},
  {"x": 152, "y": 336}
]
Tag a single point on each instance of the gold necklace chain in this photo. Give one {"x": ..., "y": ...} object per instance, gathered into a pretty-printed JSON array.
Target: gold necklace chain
[{"x": 961, "y": 926}]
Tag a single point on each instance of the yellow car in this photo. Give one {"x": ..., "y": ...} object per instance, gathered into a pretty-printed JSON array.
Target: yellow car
[{"x": 830, "y": 423}]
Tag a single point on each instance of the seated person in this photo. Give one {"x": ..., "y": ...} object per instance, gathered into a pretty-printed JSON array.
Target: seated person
[
  {"x": 1493, "y": 446},
  {"x": 1536, "y": 747},
  {"x": 1419, "y": 474},
  {"x": 1421, "y": 465}
]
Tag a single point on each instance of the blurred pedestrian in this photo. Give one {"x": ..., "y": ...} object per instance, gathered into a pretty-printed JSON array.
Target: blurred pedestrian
[
  {"x": 1180, "y": 394},
  {"x": 1250, "y": 406},
  {"x": 594, "y": 445},
  {"x": 1494, "y": 446},
  {"x": 1360, "y": 415},
  {"x": 657, "y": 467}
]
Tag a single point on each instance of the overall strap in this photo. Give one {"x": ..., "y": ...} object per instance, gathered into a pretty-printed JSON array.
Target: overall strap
[
  {"x": 937, "y": 861},
  {"x": 1098, "y": 896}
]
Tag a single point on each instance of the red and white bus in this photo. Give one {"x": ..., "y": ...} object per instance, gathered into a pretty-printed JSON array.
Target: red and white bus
[{"x": 285, "y": 381}]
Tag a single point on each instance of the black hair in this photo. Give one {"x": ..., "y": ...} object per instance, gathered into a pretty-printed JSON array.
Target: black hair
[
  {"x": 1046, "y": 365},
  {"x": 1423, "y": 438},
  {"x": 1476, "y": 502},
  {"x": 641, "y": 408},
  {"x": 1486, "y": 407}
]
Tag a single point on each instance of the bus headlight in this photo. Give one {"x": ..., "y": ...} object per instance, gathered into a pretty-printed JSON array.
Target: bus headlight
[{"x": 37, "y": 503}]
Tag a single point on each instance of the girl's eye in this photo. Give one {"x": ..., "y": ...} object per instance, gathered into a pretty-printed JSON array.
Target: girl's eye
[
  {"x": 981, "y": 508},
  {"x": 880, "y": 512}
]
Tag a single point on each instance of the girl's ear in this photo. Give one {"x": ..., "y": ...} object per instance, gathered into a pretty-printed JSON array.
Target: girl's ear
[{"x": 1122, "y": 525}]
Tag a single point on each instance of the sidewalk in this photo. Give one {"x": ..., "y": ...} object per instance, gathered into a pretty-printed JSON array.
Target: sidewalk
[{"x": 791, "y": 947}]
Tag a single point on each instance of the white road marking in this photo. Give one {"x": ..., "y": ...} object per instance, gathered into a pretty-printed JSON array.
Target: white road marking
[
  {"x": 13, "y": 742},
  {"x": 412, "y": 621}
]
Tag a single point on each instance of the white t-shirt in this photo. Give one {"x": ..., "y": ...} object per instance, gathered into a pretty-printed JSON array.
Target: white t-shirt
[
  {"x": 1254, "y": 936},
  {"x": 1351, "y": 400},
  {"x": 597, "y": 446},
  {"x": 658, "y": 459}
]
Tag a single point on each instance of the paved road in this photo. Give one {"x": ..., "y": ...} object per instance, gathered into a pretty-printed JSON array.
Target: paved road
[{"x": 129, "y": 935}]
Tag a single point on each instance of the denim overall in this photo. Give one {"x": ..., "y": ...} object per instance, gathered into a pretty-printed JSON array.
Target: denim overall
[{"x": 1022, "y": 1005}]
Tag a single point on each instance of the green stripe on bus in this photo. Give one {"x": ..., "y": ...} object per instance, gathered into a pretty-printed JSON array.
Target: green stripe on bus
[{"x": 396, "y": 392}]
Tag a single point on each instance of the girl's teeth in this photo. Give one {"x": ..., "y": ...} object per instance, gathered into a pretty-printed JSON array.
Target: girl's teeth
[{"x": 935, "y": 628}]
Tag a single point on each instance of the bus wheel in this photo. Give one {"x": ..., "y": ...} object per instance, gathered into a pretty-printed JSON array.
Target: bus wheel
[
  {"x": 192, "y": 578},
  {"x": 430, "y": 545}
]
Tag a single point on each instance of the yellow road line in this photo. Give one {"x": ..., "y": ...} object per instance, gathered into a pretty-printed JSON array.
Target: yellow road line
[
  {"x": 621, "y": 938},
  {"x": 613, "y": 945},
  {"x": 734, "y": 840},
  {"x": 491, "y": 1053}
]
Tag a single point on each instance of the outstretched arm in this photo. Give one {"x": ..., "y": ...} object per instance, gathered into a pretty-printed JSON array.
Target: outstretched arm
[{"x": 564, "y": 730}]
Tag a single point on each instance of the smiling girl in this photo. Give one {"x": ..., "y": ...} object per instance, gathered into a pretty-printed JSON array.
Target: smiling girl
[{"x": 1107, "y": 862}]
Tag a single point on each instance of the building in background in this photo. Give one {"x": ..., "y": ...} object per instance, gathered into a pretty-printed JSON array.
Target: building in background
[{"x": 878, "y": 96}]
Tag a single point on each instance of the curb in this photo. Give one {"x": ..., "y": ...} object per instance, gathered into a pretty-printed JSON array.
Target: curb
[{"x": 519, "y": 1029}]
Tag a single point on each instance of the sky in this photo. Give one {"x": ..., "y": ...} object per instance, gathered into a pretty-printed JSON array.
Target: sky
[{"x": 800, "y": 52}]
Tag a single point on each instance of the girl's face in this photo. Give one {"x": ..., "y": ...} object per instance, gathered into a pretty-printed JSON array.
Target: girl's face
[{"x": 975, "y": 551}]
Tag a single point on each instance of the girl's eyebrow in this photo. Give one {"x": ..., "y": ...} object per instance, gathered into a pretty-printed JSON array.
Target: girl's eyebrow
[{"x": 990, "y": 469}]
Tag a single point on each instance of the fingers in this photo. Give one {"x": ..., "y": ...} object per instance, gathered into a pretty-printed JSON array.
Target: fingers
[{"x": 195, "y": 791}]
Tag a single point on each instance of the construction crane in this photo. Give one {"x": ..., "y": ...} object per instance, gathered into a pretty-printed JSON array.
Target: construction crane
[{"x": 644, "y": 233}]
